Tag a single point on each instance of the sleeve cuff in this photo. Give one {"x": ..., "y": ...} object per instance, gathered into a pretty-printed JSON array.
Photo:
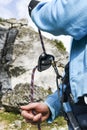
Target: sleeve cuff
[
  {"x": 52, "y": 116},
  {"x": 54, "y": 104},
  {"x": 31, "y": 5}
]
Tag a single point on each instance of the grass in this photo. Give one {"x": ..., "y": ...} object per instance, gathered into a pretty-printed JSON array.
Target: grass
[
  {"x": 59, "y": 44},
  {"x": 60, "y": 121},
  {"x": 9, "y": 118},
  {"x": 1, "y": 20}
]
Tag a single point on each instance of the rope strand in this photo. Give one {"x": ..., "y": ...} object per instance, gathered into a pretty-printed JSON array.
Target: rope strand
[
  {"x": 32, "y": 91},
  {"x": 32, "y": 77},
  {"x": 33, "y": 74},
  {"x": 32, "y": 84},
  {"x": 42, "y": 43}
]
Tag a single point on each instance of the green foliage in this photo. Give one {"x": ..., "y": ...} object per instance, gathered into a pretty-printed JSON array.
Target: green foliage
[
  {"x": 60, "y": 121},
  {"x": 1, "y": 19},
  {"x": 59, "y": 45},
  {"x": 9, "y": 117}
]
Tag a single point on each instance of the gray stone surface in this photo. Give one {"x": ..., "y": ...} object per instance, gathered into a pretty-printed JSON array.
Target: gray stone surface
[{"x": 20, "y": 48}]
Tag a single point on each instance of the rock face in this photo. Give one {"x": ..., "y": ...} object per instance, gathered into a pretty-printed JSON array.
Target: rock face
[
  {"x": 12, "y": 99},
  {"x": 7, "y": 38},
  {"x": 20, "y": 48}
]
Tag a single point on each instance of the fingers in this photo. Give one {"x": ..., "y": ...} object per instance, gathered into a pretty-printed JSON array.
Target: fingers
[
  {"x": 29, "y": 117},
  {"x": 29, "y": 106},
  {"x": 37, "y": 118},
  {"x": 34, "y": 112}
]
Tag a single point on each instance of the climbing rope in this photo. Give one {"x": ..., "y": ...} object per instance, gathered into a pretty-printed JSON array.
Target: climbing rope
[
  {"x": 42, "y": 43},
  {"x": 32, "y": 84},
  {"x": 32, "y": 79},
  {"x": 45, "y": 61},
  {"x": 32, "y": 92}
]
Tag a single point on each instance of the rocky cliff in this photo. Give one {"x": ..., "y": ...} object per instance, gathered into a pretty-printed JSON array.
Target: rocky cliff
[{"x": 20, "y": 48}]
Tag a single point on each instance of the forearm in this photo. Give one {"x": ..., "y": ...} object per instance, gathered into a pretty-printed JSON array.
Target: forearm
[{"x": 62, "y": 17}]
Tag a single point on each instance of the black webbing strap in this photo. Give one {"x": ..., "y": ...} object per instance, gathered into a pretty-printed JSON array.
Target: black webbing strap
[{"x": 67, "y": 100}]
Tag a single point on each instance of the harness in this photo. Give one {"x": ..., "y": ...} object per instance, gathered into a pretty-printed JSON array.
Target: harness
[
  {"x": 69, "y": 108},
  {"x": 75, "y": 113}
]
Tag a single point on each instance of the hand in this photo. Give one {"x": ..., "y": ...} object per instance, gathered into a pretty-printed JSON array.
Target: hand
[{"x": 35, "y": 112}]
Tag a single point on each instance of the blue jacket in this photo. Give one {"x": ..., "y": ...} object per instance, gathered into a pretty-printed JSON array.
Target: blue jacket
[{"x": 66, "y": 17}]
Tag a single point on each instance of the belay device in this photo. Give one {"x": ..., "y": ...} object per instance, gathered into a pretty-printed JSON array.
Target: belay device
[{"x": 44, "y": 62}]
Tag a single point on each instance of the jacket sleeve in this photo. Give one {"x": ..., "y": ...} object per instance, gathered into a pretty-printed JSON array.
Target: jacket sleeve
[
  {"x": 54, "y": 104},
  {"x": 62, "y": 17}
]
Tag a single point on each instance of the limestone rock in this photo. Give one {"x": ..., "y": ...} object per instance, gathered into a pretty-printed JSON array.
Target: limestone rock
[
  {"x": 20, "y": 95},
  {"x": 20, "y": 48}
]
